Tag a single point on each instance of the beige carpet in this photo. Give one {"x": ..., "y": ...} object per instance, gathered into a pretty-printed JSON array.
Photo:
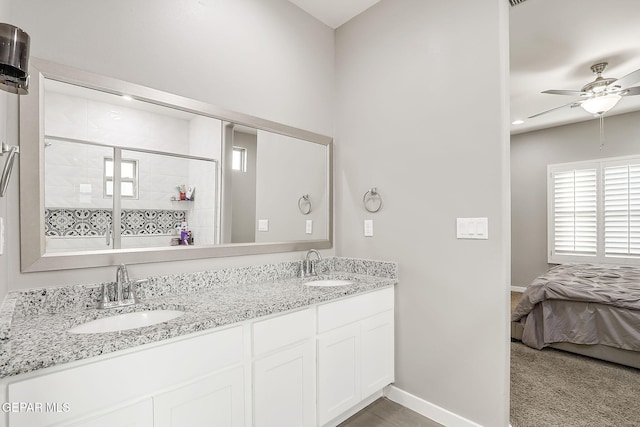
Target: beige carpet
[{"x": 552, "y": 388}]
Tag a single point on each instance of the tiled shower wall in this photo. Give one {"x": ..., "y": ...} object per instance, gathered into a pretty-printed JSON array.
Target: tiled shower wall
[{"x": 77, "y": 209}]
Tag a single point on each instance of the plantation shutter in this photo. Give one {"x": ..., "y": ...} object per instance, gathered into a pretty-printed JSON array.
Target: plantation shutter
[
  {"x": 622, "y": 210},
  {"x": 575, "y": 212}
]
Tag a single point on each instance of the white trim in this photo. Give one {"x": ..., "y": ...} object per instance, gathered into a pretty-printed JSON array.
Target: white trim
[
  {"x": 518, "y": 288},
  {"x": 428, "y": 409}
]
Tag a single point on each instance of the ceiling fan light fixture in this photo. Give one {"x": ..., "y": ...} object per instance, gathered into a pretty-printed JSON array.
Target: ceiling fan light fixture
[{"x": 599, "y": 105}]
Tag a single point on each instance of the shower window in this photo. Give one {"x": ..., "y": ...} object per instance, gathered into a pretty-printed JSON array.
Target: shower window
[
  {"x": 128, "y": 178},
  {"x": 239, "y": 159}
]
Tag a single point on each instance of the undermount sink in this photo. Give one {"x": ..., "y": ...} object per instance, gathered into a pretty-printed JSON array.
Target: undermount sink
[
  {"x": 329, "y": 282},
  {"x": 122, "y": 322}
]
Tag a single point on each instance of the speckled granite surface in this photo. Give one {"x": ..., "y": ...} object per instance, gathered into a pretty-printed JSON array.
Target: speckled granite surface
[{"x": 34, "y": 323}]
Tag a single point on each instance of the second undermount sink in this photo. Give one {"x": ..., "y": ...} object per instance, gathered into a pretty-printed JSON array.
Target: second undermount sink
[
  {"x": 123, "y": 322},
  {"x": 329, "y": 282}
]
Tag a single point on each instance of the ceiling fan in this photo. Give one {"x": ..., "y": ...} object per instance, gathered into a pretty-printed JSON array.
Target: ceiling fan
[{"x": 602, "y": 94}]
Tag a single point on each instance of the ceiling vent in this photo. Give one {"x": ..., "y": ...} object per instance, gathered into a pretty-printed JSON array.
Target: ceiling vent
[{"x": 516, "y": 2}]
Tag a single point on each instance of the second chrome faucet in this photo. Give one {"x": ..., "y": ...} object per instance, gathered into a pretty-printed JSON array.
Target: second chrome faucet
[{"x": 307, "y": 266}]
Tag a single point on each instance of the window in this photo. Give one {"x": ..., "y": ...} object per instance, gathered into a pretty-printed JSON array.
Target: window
[
  {"x": 594, "y": 211},
  {"x": 128, "y": 178},
  {"x": 622, "y": 210},
  {"x": 239, "y": 159}
]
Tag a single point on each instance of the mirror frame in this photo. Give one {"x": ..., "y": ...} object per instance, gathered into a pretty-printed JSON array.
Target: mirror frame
[{"x": 33, "y": 256}]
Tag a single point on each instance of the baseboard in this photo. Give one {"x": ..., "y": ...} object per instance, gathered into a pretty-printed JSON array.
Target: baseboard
[
  {"x": 428, "y": 409},
  {"x": 518, "y": 288}
]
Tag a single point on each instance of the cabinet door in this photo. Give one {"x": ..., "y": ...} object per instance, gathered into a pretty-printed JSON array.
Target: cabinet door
[
  {"x": 377, "y": 353},
  {"x": 338, "y": 371},
  {"x": 285, "y": 388},
  {"x": 214, "y": 401},
  {"x": 136, "y": 415}
]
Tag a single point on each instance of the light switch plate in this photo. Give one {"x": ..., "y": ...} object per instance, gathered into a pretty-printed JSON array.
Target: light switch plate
[
  {"x": 263, "y": 225},
  {"x": 472, "y": 228},
  {"x": 309, "y": 226},
  {"x": 368, "y": 228}
]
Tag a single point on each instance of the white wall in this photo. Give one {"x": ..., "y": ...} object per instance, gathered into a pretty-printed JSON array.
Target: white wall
[
  {"x": 266, "y": 58},
  {"x": 530, "y": 154},
  {"x": 407, "y": 125},
  {"x": 112, "y": 124},
  {"x": 261, "y": 57}
]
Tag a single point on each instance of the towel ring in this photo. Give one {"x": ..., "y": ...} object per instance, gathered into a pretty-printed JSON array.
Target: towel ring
[
  {"x": 372, "y": 195},
  {"x": 304, "y": 205}
]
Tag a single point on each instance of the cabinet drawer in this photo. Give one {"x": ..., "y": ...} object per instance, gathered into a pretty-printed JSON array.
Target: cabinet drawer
[
  {"x": 336, "y": 314},
  {"x": 283, "y": 330}
]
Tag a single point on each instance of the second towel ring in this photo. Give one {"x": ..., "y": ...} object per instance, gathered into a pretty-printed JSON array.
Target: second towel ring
[
  {"x": 373, "y": 198},
  {"x": 304, "y": 204}
]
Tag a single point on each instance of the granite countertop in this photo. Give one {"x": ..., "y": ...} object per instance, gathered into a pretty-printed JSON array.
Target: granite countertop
[{"x": 42, "y": 340}]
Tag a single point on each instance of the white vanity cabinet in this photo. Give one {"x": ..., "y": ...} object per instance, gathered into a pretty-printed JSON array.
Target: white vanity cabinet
[
  {"x": 127, "y": 389},
  {"x": 355, "y": 351},
  {"x": 284, "y": 371},
  {"x": 306, "y": 368}
]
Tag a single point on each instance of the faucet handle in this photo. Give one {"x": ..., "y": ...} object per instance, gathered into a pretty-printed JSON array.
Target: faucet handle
[
  {"x": 104, "y": 298},
  {"x": 303, "y": 269},
  {"x": 132, "y": 296}
]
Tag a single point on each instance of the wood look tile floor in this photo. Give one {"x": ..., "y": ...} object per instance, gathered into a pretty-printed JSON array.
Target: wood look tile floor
[{"x": 385, "y": 413}]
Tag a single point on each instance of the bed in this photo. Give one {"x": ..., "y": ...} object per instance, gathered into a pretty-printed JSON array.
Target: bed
[{"x": 587, "y": 309}]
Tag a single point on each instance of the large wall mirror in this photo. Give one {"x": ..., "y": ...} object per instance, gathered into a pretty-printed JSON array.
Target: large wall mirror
[{"x": 115, "y": 172}]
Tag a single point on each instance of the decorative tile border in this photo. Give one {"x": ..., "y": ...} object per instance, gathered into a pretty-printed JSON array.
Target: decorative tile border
[{"x": 94, "y": 222}]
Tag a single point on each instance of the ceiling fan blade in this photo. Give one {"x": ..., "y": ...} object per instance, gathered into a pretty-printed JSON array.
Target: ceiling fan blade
[
  {"x": 566, "y": 92},
  {"x": 627, "y": 80},
  {"x": 571, "y": 104},
  {"x": 630, "y": 91}
]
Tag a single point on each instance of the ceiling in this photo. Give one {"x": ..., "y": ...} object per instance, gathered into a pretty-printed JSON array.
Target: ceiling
[
  {"x": 334, "y": 12},
  {"x": 553, "y": 44}
]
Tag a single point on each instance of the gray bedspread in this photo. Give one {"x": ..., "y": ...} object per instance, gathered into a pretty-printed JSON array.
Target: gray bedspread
[{"x": 582, "y": 304}]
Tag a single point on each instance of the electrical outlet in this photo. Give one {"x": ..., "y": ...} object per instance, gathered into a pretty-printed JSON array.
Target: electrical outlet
[{"x": 368, "y": 228}]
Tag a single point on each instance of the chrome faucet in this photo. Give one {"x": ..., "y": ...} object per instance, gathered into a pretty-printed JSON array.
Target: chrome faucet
[
  {"x": 119, "y": 300},
  {"x": 308, "y": 267}
]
